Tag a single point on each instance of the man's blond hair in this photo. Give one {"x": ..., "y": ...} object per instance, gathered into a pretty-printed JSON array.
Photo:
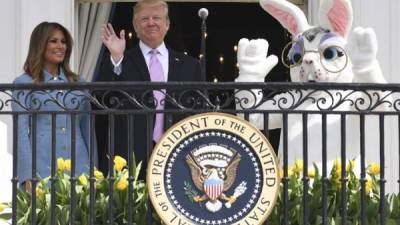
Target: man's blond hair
[{"x": 138, "y": 6}]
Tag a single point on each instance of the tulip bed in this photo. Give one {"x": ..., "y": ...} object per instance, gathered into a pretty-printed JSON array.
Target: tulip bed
[{"x": 140, "y": 195}]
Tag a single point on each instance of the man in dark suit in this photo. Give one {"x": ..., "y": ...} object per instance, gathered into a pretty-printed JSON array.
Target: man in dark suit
[{"x": 142, "y": 63}]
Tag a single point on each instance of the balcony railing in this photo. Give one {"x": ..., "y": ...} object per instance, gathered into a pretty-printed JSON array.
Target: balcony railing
[{"x": 313, "y": 118}]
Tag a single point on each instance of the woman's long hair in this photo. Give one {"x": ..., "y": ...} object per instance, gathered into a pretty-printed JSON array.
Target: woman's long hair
[{"x": 34, "y": 62}]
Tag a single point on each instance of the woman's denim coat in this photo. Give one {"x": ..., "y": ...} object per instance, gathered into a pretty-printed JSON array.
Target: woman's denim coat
[{"x": 26, "y": 100}]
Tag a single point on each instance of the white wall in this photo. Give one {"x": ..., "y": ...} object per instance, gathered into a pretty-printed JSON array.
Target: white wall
[{"x": 381, "y": 15}]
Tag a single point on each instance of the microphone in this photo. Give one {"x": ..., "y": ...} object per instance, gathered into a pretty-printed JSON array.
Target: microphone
[{"x": 203, "y": 13}]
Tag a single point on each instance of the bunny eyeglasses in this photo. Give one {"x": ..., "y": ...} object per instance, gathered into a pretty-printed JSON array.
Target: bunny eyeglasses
[{"x": 333, "y": 58}]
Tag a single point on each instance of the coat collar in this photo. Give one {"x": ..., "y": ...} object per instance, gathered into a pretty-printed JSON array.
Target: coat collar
[
  {"x": 48, "y": 77},
  {"x": 140, "y": 62},
  {"x": 162, "y": 49},
  {"x": 174, "y": 64}
]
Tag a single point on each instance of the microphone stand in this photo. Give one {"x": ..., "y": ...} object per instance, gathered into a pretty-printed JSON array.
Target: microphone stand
[{"x": 203, "y": 47}]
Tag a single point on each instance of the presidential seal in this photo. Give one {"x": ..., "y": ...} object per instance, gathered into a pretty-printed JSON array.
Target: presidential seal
[{"x": 213, "y": 168}]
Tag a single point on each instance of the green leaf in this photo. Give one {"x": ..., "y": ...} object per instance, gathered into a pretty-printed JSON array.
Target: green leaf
[{"x": 5, "y": 216}]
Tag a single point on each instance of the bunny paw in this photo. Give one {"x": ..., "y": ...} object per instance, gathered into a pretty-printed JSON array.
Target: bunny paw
[
  {"x": 362, "y": 47},
  {"x": 253, "y": 62}
]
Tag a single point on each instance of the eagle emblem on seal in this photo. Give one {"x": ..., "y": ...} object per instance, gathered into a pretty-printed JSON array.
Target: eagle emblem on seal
[{"x": 213, "y": 169}]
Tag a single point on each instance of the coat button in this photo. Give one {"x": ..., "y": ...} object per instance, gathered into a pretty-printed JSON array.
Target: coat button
[{"x": 63, "y": 129}]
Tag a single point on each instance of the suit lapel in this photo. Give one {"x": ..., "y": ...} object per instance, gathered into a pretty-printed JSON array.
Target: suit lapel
[
  {"x": 138, "y": 60},
  {"x": 174, "y": 66}
]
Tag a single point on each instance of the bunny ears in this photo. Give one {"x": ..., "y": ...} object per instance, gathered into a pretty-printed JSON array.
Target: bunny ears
[
  {"x": 335, "y": 15},
  {"x": 289, "y": 15}
]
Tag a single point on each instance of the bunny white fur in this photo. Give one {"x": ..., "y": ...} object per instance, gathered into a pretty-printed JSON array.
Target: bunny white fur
[{"x": 335, "y": 18}]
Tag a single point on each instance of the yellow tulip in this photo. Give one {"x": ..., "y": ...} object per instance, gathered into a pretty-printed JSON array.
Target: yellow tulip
[
  {"x": 39, "y": 192},
  {"x": 122, "y": 184},
  {"x": 60, "y": 164},
  {"x": 99, "y": 175},
  {"x": 337, "y": 164},
  {"x": 67, "y": 165},
  {"x": 119, "y": 163},
  {"x": 291, "y": 171},
  {"x": 311, "y": 172},
  {"x": 83, "y": 180},
  {"x": 350, "y": 166},
  {"x": 281, "y": 173},
  {"x": 374, "y": 169},
  {"x": 338, "y": 172},
  {"x": 2, "y": 207},
  {"x": 368, "y": 186},
  {"x": 298, "y": 165}
]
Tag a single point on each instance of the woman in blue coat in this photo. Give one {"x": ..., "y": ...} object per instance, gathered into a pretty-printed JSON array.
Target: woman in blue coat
[{"x": 48, "y": 62}]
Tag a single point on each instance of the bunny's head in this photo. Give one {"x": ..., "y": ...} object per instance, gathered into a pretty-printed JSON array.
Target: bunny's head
[{"x": 317, "y": 53}]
